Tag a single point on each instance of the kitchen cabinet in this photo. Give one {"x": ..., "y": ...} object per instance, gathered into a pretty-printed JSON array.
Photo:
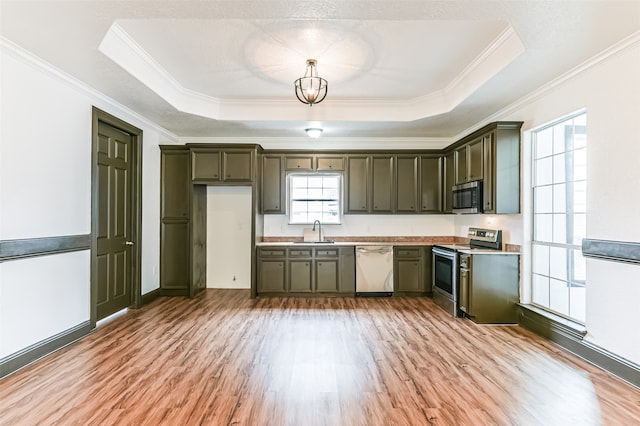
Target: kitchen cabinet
[
  {"x": 214, "y": 165},
  {"x": 329, "y": 163},
  {"x": 305, "y": 269},
  {"x": 272, "y": 185},
  {"x": 327, "y": 270},
  {"x": 302, "y": 163},
  {"x": 406, "y": 187},
  {"x": 369, "y": 184},
  {"x": 382, "y": 184},
  {"x": 469, "y": 162},
  {"x": 181, "y": 255},
  {"x": 489, "y": 287},
  {"x": 271, "y": 270},
  {"x": 431, "y": 186},
  {"x": 448, "y": 181},
  {"x": 412, "y": 270},
  {"x": 299, "y": 270},
  {"x": 490, "y": 154},
  {"x": 357, "y": 188}
]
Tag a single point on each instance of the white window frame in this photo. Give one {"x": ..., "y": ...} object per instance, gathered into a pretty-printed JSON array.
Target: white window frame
[
  {"x": 572, "y": 248},
  {"x": 339, "y": 198}
]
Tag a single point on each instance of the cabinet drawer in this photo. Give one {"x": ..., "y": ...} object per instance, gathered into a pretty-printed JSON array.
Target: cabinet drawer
[
  {"x": 298, "y": 163},
  {"x": 272, "y": 252},
  {"x": 330, "y": 163},
  {"x": 408, "y": 252},
  {"x": 300, "y": 252},
  {"x": 327, "y": 252}
]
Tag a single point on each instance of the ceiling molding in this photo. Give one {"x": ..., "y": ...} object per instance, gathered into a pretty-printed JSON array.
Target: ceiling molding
[
  {"x": 124, "y": 50},
  {"x": 99, "y": 99},
  {"x": 608, "y": 53},
  {"x": 325, "y": 143}
]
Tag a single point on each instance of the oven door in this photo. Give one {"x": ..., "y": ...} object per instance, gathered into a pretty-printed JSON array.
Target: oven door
[{"x": 445, "y": 278}]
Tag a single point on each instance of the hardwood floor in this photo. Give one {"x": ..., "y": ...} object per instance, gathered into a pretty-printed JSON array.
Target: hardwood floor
[{"x": 225, "y": 359}]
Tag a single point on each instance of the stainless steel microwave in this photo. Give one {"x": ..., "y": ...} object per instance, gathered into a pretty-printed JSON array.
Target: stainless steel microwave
[{"x": 467, "y": 198}]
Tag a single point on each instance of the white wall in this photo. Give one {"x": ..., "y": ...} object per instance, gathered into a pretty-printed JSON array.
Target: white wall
[
  {"x": 45, "y": 191},
  {"x": 229, "y": 237},
  {"x": 609, "y": 90},
  {"x": 367, "y": 225}
]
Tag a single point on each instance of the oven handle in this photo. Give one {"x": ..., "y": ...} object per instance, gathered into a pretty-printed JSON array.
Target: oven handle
[{"x": 444, "y": 253}]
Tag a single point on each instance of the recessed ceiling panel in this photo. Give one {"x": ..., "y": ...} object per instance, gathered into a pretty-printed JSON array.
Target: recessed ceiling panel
[{"x": 248, "y": 59}]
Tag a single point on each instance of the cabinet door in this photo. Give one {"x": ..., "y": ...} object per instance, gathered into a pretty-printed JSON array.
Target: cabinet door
[
  {"x": 431, "y": 184},
  {"x": 475, "y": 152},
  {"x": 465, "y": 287},
  {"x": 410, "y": 277},
  {"x": 205, "y": 165},
  {"x": 174, "y": 257},
  {"x": 300, "y": 276},
  {"x": 301, "y": 163},
  {"x": 448, "y": 182},
  {"x": 488, "y": 182},
  {"x": 238, "y": 166},
  {"x": 358, "y": 185},
  {"x": 273, "y": 190},
  {"x": 461, "y": 165},
  {"x": 327, "y": 275},
  {"x": 347, "y": 282},
  {"x": 327, "y": 164},
  {"x": 382, "y": 184},
  {"x": 407, "y": 184},
  {"x": 175, "y": 184},
  {"x": 271, "y": 278}
]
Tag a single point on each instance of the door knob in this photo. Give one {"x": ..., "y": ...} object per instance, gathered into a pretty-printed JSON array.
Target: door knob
[{"x": 129, "y": 243}]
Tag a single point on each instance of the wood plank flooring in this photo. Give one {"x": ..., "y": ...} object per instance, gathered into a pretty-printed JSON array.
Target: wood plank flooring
[{"x": 225, "y": 359}]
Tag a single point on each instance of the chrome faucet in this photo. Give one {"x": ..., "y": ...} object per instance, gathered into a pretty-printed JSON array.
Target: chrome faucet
[{"x": 319, "y": 229}]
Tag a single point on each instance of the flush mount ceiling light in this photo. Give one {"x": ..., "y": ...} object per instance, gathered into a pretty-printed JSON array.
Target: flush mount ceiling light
[
  {"x": 313, "y": 132},
  {"x": 311, "y": 89}
]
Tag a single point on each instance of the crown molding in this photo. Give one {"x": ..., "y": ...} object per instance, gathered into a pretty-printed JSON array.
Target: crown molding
[
  {"x": 610, "y": 52},
  {"x": 328, "y": 143},
  {"x": 99, "y": 99},
  {"x": 123, "y": 49}
]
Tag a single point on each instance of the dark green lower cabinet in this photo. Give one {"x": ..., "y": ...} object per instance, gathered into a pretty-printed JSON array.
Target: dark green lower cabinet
[
  {"x": 306, "y": 270},
  {"x": 300, "y": 276},
  {"x": 412, "y": 270},
  {"x": 272, "y": 276},
  {"x": 327, "y": 275}
]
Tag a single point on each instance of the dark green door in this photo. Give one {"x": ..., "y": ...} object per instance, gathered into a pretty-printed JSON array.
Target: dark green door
[{"x": 114, "y": 238}]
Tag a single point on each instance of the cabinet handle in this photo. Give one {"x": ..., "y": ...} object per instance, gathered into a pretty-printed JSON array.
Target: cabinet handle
[
  {"x": 298, "y": 166},
  {"x": 410, "y": 207},
  {"x": 228, "y": 176}
]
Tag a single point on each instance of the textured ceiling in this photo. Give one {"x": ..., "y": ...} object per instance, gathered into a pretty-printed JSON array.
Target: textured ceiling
[{"x": 396, "y": 69}]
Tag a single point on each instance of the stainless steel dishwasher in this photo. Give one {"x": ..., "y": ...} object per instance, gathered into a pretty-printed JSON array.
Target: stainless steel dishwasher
[{"x": 374, "y": 270}]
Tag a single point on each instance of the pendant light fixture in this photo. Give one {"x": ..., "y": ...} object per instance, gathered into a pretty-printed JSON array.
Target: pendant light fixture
[{"x": 311, "y": 89}]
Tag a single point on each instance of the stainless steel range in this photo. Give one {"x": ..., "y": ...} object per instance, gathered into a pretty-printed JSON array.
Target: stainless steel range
[{"x": 446, "y": 274}]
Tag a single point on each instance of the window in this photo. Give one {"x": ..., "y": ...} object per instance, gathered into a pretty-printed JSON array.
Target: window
[
  {"x": 559, "y": 216},
  {"x": 314, "y": 197}
]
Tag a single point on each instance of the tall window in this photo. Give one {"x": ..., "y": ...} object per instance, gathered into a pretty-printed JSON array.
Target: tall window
[
  {"x": 559, "y": 216},
  {"x": 314, "y": 197}
]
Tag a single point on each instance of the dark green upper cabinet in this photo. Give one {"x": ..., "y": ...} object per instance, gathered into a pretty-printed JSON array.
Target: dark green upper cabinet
[
  {"x": 302, "y": 163},
  {"x": 272, "y": 185},
  {"x": 431, "y": 175},
  {"x": 382, "y": 184},
  {"x": 491, "y": 154},
  {"x": 329, "y": 163},
  {"x": 212, "y": 165},
  {"x": 449, "y": 176},
  {"x": 407, "y": 183},
  {"x": 238, "y": 166},
  {"x": 469, "y": 162},
  {"x": 357, "y": 188},
  {"x": 205, "y": 165}
]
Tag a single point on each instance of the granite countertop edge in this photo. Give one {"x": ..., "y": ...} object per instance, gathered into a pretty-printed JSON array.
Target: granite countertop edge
[{"x": 387, "y": 240}]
